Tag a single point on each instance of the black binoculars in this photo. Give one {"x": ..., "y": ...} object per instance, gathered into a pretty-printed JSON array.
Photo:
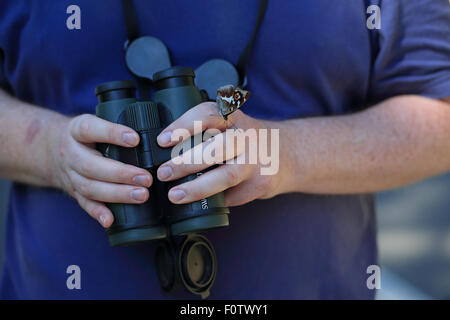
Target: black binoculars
[{"x": 191, "y": 261}]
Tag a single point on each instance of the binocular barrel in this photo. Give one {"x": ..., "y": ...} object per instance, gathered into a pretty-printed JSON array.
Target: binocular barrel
[
  {"x": 132, "y": 223},
  {"x": 175, "y": 94}
]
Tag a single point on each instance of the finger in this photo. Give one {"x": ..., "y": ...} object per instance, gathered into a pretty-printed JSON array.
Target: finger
[
  {"x": 209, "y": 183},
  {"x": 217, "y": 150},
  {"x": 96, "y": 210},
  {"x": 109, "y": 192},
  {"x": 96, "y": 167},
  {"x": 88, "y": 128},
  {"x": 206, "y": 112}
]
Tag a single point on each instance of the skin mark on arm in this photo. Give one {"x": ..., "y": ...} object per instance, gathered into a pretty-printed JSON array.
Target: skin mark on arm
[{"x": 33, "y": 129}]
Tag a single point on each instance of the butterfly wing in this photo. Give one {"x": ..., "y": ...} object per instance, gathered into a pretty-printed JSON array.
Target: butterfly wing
[{"x": 229, "y": 99}]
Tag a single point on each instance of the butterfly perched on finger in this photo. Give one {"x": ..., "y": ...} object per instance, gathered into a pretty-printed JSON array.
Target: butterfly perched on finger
[{"x": 229, "y": 99}]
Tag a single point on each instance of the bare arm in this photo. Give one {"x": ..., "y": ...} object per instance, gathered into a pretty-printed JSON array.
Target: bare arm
[
  {"x": 24, "y": 141},
  {"x": 397, "y": 142}
]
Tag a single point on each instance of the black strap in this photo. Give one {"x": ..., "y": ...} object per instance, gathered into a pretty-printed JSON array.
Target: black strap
[
  {"x": 245, "y": 55},
  {"x": 374, "y": 50},
  {"x": 132, "y": 26},
  {"x": 131, "y": 21}
]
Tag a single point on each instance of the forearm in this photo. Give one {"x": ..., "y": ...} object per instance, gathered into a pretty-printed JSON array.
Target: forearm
[
  {"x": 397, "y": 142},
  {"x": 24, "y": 141}
]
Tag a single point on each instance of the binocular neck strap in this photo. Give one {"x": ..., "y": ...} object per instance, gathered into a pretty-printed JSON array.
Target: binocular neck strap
[
  {"x": 132, "y": 26},
  {"x": 245, "y": 54},
  {"x": 131, "y": 21}
]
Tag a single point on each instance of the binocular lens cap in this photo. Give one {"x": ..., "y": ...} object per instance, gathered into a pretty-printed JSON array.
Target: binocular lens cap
[
  {"x": 147, "y": 55},
  {"x": 165, "y": 263},
  {"x": 194, "y": 264},
  {"x": 198, "y": 264},
  {"x": 214, "y": 74}
]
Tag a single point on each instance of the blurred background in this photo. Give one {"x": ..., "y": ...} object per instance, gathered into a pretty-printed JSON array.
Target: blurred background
[
  {"x": 4, "y": 192},
  {"x": 413, "y": 239}
]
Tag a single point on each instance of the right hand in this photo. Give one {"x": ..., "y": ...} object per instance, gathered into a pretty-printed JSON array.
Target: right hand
[{"x": 89, "y": 177}]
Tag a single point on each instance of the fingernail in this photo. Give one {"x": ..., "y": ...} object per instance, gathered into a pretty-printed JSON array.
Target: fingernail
[
  {"x": 103, "y": 220},
  {"x": 176, "y": 195},
  {"x": 164, "y": 172},
  {"x": 129, "y": 138},
  {"x": 142, "y": 180},
  {"x": 138, "y": 194},
  {"x": 164, "y": 138}
]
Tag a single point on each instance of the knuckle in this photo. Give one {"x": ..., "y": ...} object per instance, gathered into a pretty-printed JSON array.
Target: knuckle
[
  {"x": 113, "y": 132},
  {"x": 71, "y": 177},
  {"x": 179, "y": 169},
  {"x": 84, "y": 126},
  {"x": 238, "y": 114},
  {"x": 69, "y": 183},
  {"x": 73, "y": 126},
  {"x": 117, "y": 130},
  {"x": 85, "y": 188},
  {"x": 123, "y": 173},
  {"x": 265, "y": 186},
  {"x": 232, "y": 176},
  {"x": 78, "y": 197},
  {"x": 120, "y": 193},
  {"x": 96, "y": 153},
  {"x": 84, "y": 167},
  {"x": 210, "y": 107},
  {"x": 73, "y": 123},
  {"x": 234, "y": 118},
  {"x": 196, "y": 194}
]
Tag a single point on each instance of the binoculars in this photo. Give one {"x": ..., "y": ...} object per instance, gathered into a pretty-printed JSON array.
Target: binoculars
[{"x": 183, "y": 255}]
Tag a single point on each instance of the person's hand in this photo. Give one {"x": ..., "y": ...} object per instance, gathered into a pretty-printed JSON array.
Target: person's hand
[
  {"x": 242, "y": 182},
  {"x": 89, "y": 177}
]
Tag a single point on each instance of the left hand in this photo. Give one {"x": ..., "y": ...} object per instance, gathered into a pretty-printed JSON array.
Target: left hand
[{"x": 242, "y": 183}]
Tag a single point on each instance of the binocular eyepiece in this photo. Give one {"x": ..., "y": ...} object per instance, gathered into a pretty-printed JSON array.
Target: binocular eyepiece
[{"x": 175, "y": 93}]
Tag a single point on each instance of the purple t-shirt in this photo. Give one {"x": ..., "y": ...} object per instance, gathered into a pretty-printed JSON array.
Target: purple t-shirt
[{"x": 311, "y": 58}]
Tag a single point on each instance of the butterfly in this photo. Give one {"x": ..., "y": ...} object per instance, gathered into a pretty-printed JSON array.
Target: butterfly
[{"x": 229, "y": 99}]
